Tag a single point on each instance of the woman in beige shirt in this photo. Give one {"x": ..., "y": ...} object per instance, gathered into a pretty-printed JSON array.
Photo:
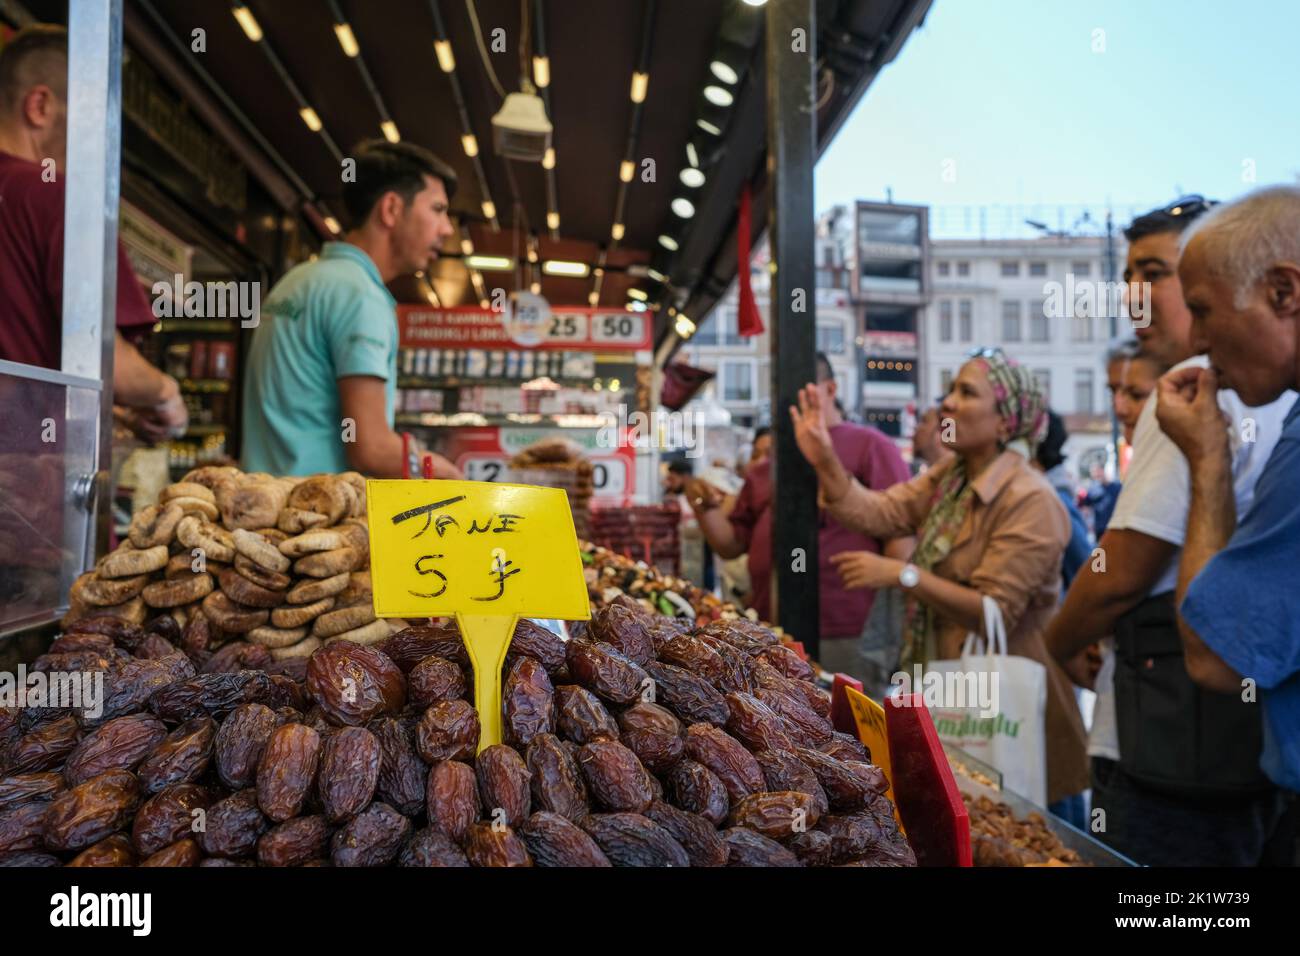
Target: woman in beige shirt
[{"x": 987, "y": 523}]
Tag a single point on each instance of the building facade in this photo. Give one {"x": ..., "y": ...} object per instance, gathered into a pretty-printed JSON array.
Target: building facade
[
  {"x": 1047, "y": 303},
  {"x": 743, "y": 381}
]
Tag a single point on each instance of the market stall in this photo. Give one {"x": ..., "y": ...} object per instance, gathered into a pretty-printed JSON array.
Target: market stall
[{"x": 235, "y": 634}]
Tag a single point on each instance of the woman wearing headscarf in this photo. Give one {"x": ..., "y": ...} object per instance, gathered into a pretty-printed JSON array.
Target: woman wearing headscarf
[{"x": 987, "y": 523}]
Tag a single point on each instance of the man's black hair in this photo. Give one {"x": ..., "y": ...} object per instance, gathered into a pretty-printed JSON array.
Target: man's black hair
[
  {"x": 825, "y": 371},
  {"x": 38, "y": 53},
  {"x": 391, "y": 167},
  {"x": 681, "y": 466},
  {"x": 1161, "y": 220},
  {"x": 1050, "y": 451}
]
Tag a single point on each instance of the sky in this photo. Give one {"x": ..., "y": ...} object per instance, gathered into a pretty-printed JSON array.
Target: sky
[{"x": 1038, "y": 108}]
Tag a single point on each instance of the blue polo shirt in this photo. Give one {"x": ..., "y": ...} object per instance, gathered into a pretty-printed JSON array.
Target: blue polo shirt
[
  {"x": 1245, "y": 603},
  {"x": 324, "y": 320}
]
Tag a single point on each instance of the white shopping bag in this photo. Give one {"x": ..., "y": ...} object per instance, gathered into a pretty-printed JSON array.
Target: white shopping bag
[{"x": 993, "y": 706}]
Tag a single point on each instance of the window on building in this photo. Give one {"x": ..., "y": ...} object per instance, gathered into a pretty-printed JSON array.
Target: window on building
[
  {"x": 1081, "y": 328},
  {"x": 1044, "y": 376},
  {"x": 1010, "y": 268},
  {"x": 830, "y": 339},
  {"x": 965, "y": 314},
  {"x": 963, "y": 269},
  {"x": 1081, "y": 269},
  {"x": 1039, "y": 330},
  {"x": 728, "y": 327},
  {"x": 942, "y": 268},
  {"x": 1011, "y": 320},
  {"x": 945, "y": 320},
  {"x": 1083, "y": 391},
  {"x": 945, "y": 381},
  {"x": 1038, "y": 269},
  {"x": 737, "y": 381}
]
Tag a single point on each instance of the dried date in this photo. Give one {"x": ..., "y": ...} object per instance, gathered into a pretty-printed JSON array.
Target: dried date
[
  {"x": 353, "y": 683},
  {"x": 215, "y": 695},
  {"x": 349, "y": 772},
  {"x": 849, "y": 785},
  {"x": 401, "y": 773},
  {"x": 91, "y": 811},
  {"x": 813, "y": 848},
  {"x": 727, "y": 758},
  {"x": 46, "y": 747},
  {"x": 581, "y": 716},
  {"x": 556, "y": 784},
  {"x": 119, "y": 744},
  {"x": 623, "y": 629},
  {"x": 287, "y": 770},
  {"x": 432, "y": 848},
  {"x": 434, "y": 679},
  {"x": 411, "y": 645},
  {"x": 691, "y": 698},
  {"x": 180, "y": 758},
  {"x": 756, "y": 725},
  {"x": 181, "y": 853},
  {"x": 490, "y": 844},
  {"x": 653, "y": 734},
  {"x": 695, "y": 788},
  {"x": 696, "y": 834},
  {"x": 528, "y": 702},
  {"x": 694, "y": 655},
  {"x": 22, "y": 825},
  {"x": 783, "y": 770},
  {"x": 240, "y": 742},
  {"x": 503, "y": 784},
  {"x": 452, "y": 801},
  {"x": 748, "y": 848},
  {"x": 630, "y": 839},
  {"x": 449, "y": 730},
  {"x": 373, "y": 837},
  {"x": 554, "y": 841},
  {"x": 294, "y": 842},
  {"x": 605, "y": 671},
  {"x": 110, "y": 851},
  {"x": 28, "y": 787},
  {"x": 539, "y": 643},
  {"x": 778, "y": 815},
  {"x": 172, "y": 814},
  {"x": 233, "y": 826},
  {"x": 615, "y": 777},
  {"x": 803, "y": 722}
]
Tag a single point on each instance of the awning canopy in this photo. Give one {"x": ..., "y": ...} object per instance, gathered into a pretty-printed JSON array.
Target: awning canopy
[{"x": 638, "y": 92}]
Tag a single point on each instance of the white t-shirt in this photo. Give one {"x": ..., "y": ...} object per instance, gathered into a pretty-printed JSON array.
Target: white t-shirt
[{"x": 1155, "y": 500}]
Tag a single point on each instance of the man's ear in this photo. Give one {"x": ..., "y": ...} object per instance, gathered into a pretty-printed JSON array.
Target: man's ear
[
  {"x": 390, "y": 209},
  {"x": 40, "y": 107},
  {"x": 1283, "y": 284}
]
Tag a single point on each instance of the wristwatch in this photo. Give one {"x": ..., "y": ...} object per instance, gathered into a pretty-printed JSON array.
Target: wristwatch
[{"x": 909, "y": 577}]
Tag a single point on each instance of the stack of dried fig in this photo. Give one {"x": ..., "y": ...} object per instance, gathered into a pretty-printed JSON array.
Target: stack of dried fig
[
  {"x": 642, "y": 742},
  {"x": 260, "y": 567}
]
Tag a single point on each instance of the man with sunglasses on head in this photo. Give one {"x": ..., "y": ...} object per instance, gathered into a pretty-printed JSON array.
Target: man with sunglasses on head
[
  {"x": 321, "y": 382},
  {"x": 1178, "y": 780}
]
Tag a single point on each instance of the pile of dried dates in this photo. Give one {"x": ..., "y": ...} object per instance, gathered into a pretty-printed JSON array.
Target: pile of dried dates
[{"x": 638, "y": 742}]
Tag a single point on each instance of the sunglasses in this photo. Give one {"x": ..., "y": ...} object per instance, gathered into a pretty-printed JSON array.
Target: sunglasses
[{"x": 1192, "y": 205}]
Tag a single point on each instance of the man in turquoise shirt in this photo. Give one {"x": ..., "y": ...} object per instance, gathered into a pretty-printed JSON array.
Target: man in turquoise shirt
[{"x": 321, "y": 377}]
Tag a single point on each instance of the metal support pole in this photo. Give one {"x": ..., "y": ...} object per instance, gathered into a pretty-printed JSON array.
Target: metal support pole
[
  {"x": 93, "y": 173},
  {"x": 791, "y": 154},
  {"x": 1114, "y": 327}
]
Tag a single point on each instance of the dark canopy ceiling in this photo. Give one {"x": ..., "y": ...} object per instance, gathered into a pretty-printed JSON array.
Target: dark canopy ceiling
[{"x": 593, "y": 49}]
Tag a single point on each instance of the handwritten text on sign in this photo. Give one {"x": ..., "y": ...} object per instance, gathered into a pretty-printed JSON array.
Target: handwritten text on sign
[{"x": 440, "y": 548}]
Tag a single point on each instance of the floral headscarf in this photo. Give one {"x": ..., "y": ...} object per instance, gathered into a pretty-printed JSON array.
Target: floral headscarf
[{"x": 1021, "y": 405}]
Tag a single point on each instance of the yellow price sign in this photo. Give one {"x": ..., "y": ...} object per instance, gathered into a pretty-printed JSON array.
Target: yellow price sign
[
  {"x": 870, "y": 720},
  {"x": 482, "y": 552}
]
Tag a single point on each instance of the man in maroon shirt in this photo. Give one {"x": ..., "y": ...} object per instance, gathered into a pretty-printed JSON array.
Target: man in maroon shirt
[
  {"x": 875, "y": 461},
  {"x": 33, "y": 150}
]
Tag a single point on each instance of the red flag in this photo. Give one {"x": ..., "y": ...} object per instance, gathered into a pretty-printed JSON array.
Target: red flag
[{"x": 749, "y": 321}]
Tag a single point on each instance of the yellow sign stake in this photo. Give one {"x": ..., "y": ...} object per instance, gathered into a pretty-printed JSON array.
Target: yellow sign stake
[
  {"x": 870, "y": 720},
  {"x": 481, "y": 552}
]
